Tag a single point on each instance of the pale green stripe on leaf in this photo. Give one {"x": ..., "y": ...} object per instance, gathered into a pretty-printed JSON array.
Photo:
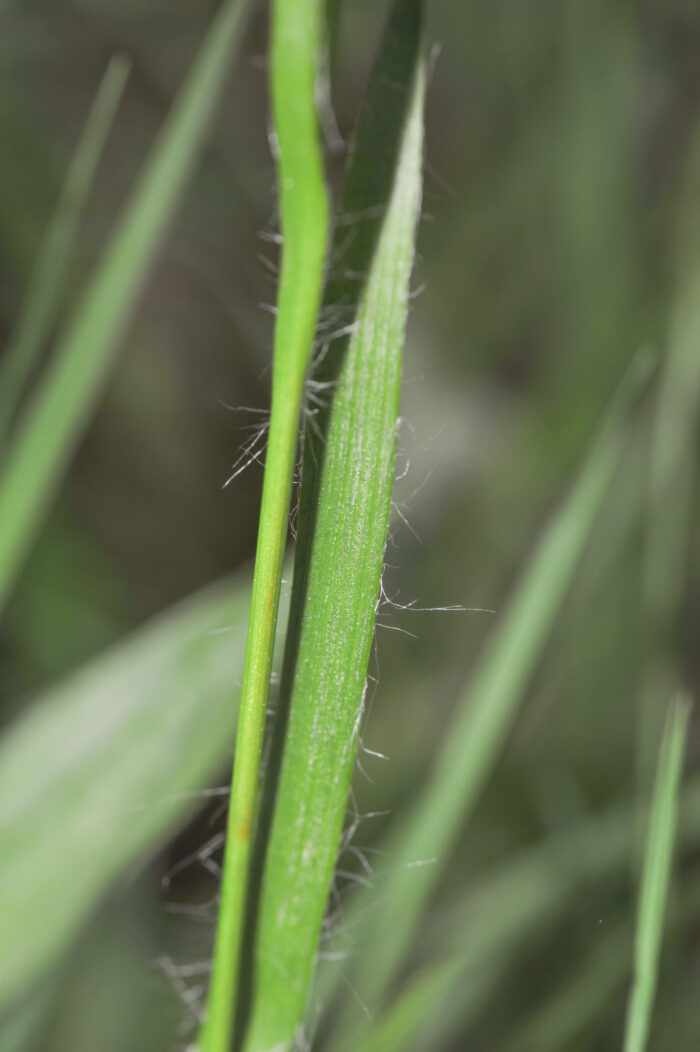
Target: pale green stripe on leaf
[{"x": 43, "y": 297}]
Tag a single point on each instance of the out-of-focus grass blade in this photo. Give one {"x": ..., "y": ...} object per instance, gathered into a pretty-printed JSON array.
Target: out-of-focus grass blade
[
  {"x": 71, "y": 384},
  {"x": 656, "y": 875},
  {"x": 103, "y": 767},
  {"x": 19, "y": 1028},
  {"x": 484, "y": 714},
  {"x": 672, "y": 483},
  {"x": 574, "y": 1008},
  {"x": 43, "y": 297},
  {"x": 297, "y": 32},
  {"x": 674, "y": 445},
  {"x": 344, "y": 510},
  {"x": 476, "y": 937},
  {"x": 571, "y": 1010},
  {"x": 398, "y": 1026},
  {"x": 332, "y": 34}
]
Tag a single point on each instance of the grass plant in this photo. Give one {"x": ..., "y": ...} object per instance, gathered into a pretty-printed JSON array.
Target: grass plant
[{"x": 347, "y": 475}]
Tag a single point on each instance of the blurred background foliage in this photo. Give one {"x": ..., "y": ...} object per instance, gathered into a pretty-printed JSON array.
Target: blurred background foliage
[{"x": 559, "y": 139}]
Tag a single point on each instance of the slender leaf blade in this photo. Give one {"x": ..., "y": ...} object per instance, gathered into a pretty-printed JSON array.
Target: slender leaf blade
[
  {"x": 46, "y": 286},
  {"x": 73, "y": 380},
  {"x": 476, "y": 936},
  {"x": 656, "y": 876},
  {"x": 574, "y": 1009},
  {"x": 672, "y": 481}
]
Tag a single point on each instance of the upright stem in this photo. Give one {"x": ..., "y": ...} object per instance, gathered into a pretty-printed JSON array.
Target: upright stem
[{"x": 296, "y": 34}]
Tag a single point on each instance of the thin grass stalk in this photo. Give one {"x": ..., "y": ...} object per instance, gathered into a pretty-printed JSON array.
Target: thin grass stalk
[{"x": 297, "y": 32}]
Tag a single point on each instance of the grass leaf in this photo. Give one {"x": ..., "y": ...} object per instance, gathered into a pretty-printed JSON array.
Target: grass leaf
[
  {"x": 656, "y": 875},
  {"x": 347, "y": 476},
  {"x": 75, "y": 375},
  {"x": 575, "y": 1008},
  {"x": 102, "y": 768},
  {"x": 297, "y": 32},
  {"x": 484, "y": 714},
  {"x": 672, "y": 481},
  {"x": 43, "y": 297},
  {"x": 477, "y": 936}
]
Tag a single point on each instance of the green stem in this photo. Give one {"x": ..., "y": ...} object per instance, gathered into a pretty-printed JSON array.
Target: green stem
[{"x": 297, "y": 28}]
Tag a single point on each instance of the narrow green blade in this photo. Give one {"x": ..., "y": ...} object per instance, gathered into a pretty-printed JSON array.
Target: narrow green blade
[
  {"x": 406, "y": 1017},
  {"x": 102, "y": 768},
  {"x": 71, "y": 385},
  {"x": 656, "y": 875},
  {"x": 672, "y": 482},
  {"x": 344, "y": 510},
  {"x": 676, "y": 424},
  {"x": 48, "y": 281},
  {"x": 484, "y": 715},
  {"x": 477, "y": 935},
  {"x": 574, "y": 1008}
]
